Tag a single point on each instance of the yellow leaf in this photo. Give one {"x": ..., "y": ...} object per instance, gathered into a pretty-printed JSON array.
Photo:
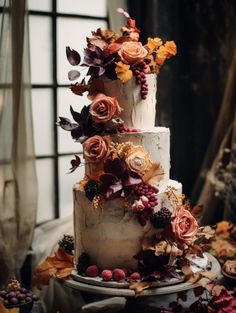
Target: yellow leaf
[
  {"x": 153, "y": 44},
  {"x": 123, "y": 72}
]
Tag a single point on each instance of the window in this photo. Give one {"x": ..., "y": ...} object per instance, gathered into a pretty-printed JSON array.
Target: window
[{"x": 53, "y": 25}]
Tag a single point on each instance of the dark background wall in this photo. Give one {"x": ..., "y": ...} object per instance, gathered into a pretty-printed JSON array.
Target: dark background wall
[{"x": 191, "y": 86}]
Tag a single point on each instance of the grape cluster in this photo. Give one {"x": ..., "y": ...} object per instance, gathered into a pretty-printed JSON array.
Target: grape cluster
[
  {"x": 67, "y": 243},
  {"x": 161, "y": 218},
  {"x": 16, "y": 297},
  {"x": 149, "y": 191},
  {"x": 140, "y": 70}
]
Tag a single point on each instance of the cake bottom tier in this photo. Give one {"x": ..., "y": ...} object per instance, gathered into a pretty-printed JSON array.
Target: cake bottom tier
[{"x": 112, "y": 236}]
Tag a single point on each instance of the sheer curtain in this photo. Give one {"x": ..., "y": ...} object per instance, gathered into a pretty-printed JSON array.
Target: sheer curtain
[{"x": 18, "y": 184}]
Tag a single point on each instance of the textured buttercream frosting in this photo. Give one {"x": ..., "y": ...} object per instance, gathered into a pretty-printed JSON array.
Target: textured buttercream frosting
[
  {"x": 137, "y": 112},
  {"x": 112, "y": 236}
]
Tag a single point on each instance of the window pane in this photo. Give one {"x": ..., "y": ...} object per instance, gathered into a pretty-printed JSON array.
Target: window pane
[
  {"x": 40, "y": 49},
  {"x": 73, "y": 33},
  {"x": 42, "y": 5},
  {"x": 83, "y": 7},
  {"x": 66, "y": 98},
  {"x": 66, "y": 182},
  {"x": 43, "y": 121},
  {"x": 46, "y": 191}
]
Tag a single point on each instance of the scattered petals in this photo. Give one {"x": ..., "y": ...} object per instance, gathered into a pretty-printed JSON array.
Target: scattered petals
[
  {"x": 73, "y": 75},
  {"x": 72, "y": 56}
]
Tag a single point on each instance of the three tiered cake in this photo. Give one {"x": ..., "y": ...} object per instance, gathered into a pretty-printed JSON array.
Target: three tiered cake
[{"x": 128, "y": 213}]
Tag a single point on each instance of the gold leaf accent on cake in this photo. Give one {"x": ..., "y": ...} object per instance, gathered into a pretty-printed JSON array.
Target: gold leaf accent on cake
[{"x": 98, "y": 202}]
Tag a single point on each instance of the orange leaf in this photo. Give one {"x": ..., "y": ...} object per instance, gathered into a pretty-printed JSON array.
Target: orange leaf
[
  {"x": 138, "y": 287},
  {"x": 3, "y": 309},
  {"x": 153, "y": 44},
  {"x": 79, "y": 89},
  {"x": 64, "y": 272},
  {"x": 123, "y": 72}
]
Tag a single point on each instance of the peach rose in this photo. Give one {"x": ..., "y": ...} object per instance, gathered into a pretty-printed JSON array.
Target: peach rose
[
  {"x": 96, "y": 148},
  {"x": 138, "y": 160},
  {"x": 132, "y": 52},
  {"x": 184, "y": 225},
  {"x": 103, "y": 108}
]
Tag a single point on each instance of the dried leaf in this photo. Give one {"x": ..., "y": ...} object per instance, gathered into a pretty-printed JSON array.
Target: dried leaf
[
  {"x": 138, "y": 287},
  {"x": 59, "y": 265},
  {"x": 148, "y": 244},
  {"x": 210, "y": 275},
  {"x": 154, "y": 175},
  {"x": 79, "y": 89},
  {"x": 3, "y": 309},
  {"x": 75, "y": 163},
  {"x": 197, "y": 210},
  {"x": 123, "y": 72}
]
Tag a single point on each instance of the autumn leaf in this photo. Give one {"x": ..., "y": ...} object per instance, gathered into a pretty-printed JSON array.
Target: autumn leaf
[
  {"x": 171, "y": 49},
  {"x": 79, "y": 89},
  {"x": 197, "y": 210},
  {"x": 154, "y": 175},
  {"x": 3, "y": 309},
  {"x": 123, "y": 72},
  {"x": 60, "y": 265},
  {"x": 153, "y": 44},
  {"x": 138, "y": 287}
]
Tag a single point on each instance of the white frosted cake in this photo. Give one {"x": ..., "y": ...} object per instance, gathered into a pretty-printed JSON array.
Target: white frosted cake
[{"x": 128, "y": 214}]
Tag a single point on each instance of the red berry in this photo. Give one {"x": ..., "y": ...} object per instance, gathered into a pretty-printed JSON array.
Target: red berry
[
  {"x": 92, "y": 271},
  {"x": 118, "y": 274},
  {"x": 106, "y": 275},
  {"x": 135, "y": 276}
]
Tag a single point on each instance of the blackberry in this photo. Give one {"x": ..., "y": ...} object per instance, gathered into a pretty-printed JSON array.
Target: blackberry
[
  {"x": 91, "y": 189},
  {"x": 161, "y": 218},
  {"x": 67, "y": 243},
  {"x": 82, "y": 263}
]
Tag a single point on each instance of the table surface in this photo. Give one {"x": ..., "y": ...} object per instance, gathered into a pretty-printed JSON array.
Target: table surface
[{"x": 126, "y": 292}]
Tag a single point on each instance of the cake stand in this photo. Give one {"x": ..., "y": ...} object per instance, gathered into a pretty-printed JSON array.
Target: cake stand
[{"x": 122, "y": 290}]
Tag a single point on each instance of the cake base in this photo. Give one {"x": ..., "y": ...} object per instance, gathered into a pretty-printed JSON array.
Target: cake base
[
  {"x": 108, "y": 290},
  {"x": 198, "y": 265}
]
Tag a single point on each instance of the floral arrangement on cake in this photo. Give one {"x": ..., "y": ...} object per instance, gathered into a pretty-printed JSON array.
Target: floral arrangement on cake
[{"x": 119, "y": 57}]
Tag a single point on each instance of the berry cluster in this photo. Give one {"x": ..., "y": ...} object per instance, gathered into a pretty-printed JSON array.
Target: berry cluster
[
  {"x": 140, "y": 71},
  {"x": 126, "y": 129},
  {"x": 161, "y": 219},
  {"x": 67, "y": 243},
  {"x": 82, "y": 263},
  {"x": 91, "y": 189},
  {"x": 148, "y": 191},
  {"x": 118, "y": 274},
  {"x": 13, "y": 297}
]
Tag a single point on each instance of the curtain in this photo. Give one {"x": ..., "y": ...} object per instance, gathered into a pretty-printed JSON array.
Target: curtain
[
  {"x": 18, "y": 185},
  {"x": 196, "y": 96}
]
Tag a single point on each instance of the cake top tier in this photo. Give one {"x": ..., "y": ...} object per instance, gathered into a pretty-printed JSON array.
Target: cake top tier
[{"x": 120, "y": 66}]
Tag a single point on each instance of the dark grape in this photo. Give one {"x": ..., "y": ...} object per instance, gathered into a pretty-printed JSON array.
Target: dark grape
[
  {"x": 11, "y": 294},
  {"x": 3, "y": 293},
  {"x": 21, "y": 296},
  {"x": 28, "y": 299},
  {"x": 14, "y": 300},
  {"x": 23, "y": 290}
]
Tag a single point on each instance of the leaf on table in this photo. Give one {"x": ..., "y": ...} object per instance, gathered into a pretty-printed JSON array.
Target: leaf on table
[
  {"x": 3, "y": 309},
  {"x": 138, "y": 287}
]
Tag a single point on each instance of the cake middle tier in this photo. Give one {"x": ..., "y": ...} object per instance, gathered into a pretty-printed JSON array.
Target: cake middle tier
[{"x": 156, "y": 142}]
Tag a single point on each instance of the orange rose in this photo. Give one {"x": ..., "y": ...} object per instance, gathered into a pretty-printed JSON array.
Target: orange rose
[
  {"x": 138, "y": 160},
  {"x": 132, "y": 52},
  {"x": 184, "y": 225},
  {"x": 96, "y": 148},
  {"x": 103, "y": 108}
]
